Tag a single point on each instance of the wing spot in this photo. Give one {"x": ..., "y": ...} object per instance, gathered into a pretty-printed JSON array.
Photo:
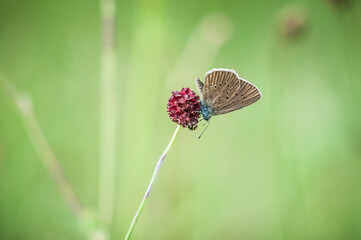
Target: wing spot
[
  {"x": 227, "y": 97},
  {"x": 211, "y": 85},
  {"x": 227, "y": 93},
  {"x": 220, "y": 84},
  {"x": 236, "y": 94},
  {"x": 227, "y": 85},
  {"x": 206, "y": 89},
  {"x": 215, "y": 86},
  {"x": 244, "y": 97}
]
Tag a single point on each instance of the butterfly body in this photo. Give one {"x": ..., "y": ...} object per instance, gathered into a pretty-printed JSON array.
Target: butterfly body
[
  {"x": 223, "y": 92},
  {"x": 206, "y": 111}
]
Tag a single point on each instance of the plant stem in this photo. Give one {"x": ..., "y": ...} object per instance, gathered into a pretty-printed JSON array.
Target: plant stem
[
  {"x": 206, "y": 46},
  {"x": 47, "y": 155},
  {"x": 52, "y": 165},
  {"x": 107, "y": 114},
  {"x": 149, "y": 189},
  {"x": 42, "y": 146}
]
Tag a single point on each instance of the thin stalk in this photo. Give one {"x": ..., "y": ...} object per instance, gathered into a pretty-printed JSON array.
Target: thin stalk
[
  {"x": 43, "y": 148},
  {"x": 107, "y": 114},
  {"x": 202, "y": 41},
  {"x": 150, "y": 186},
  {"x": 47, "y": 156}
]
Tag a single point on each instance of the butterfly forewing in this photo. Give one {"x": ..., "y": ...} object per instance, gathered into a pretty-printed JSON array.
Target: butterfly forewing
[
  {"x": 225, "y": 92},
  {"x": 218, "y": 86}
]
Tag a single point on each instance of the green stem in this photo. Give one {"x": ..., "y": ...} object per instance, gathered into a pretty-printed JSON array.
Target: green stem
[
  {"x": 149, "y": 189},
  {"x": 42, "y": 146},
  {"x": 107, "y": 114}
]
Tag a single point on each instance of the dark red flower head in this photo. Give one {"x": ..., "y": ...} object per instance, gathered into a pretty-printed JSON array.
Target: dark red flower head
[{"x": 184, "y": 107}]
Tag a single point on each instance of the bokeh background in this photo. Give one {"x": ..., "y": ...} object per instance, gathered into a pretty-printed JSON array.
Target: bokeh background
[{"x": 287, "y": 167}]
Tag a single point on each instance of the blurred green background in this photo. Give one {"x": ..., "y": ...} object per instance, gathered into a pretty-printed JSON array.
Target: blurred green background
[{"x": 287, "y": 167}]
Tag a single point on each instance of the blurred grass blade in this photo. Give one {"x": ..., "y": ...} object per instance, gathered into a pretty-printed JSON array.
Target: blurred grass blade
[
  {"x": 202, "y": 47},
  {"x": 107, "y": 114},
  {"x": 25, "y": 107}
]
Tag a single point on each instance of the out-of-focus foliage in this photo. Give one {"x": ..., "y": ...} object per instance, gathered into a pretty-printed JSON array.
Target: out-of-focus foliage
[{"x": 287, "y": 167}]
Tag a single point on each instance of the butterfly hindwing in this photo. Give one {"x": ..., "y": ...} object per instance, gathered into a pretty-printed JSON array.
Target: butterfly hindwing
[{"x": 242, "y": 97}]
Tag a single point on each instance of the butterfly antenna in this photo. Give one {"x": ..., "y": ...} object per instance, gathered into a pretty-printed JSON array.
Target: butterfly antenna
[{"x": 203, "y": 131}]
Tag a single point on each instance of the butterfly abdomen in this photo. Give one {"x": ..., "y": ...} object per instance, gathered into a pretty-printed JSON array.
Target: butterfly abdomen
[{"x": 206, "y": 111}]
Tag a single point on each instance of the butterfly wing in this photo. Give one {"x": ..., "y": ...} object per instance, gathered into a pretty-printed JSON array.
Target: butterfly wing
[
  {"x": 225, "y": 92},
  {"x": 200, "y": 86}
]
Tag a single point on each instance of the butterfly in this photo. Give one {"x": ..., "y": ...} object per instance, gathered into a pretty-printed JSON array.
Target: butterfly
[{"x": 223, "y": 92}]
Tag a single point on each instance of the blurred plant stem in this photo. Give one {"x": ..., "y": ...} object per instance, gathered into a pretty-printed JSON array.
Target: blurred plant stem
[
  {"x": 107, "y": 114},
  {"x": 150, "y": 186},
  {"x": 202, "y": 47},
  {"x": 25, "y": 107}
]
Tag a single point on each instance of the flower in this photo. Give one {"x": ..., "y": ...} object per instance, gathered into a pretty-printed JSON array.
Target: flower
[{"x": 184, "y": 108}]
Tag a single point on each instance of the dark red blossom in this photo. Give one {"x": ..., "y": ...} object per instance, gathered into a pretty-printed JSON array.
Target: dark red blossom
[{"x": 184, "y": 107}]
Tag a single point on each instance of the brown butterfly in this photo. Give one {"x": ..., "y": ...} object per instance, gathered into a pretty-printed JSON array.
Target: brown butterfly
[{"x": 223, "y": 92}]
